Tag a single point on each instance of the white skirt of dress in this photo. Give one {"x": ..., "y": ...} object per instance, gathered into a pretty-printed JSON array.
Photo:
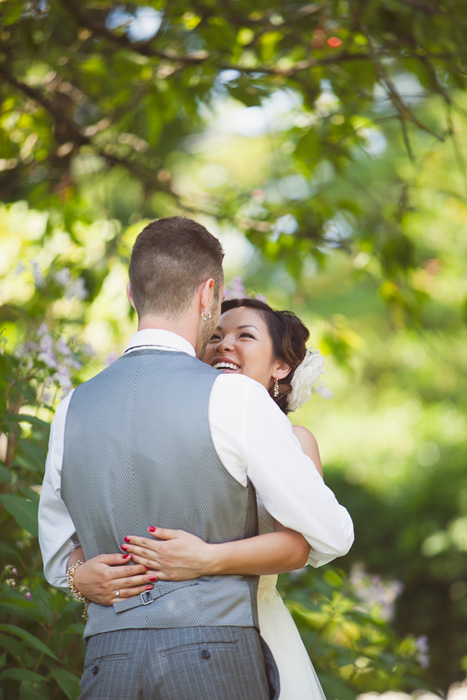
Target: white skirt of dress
[{"x": 297, "y": 676}]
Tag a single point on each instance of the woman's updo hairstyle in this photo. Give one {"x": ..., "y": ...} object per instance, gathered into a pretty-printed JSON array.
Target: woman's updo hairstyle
[{"x": 289, "y": 337}]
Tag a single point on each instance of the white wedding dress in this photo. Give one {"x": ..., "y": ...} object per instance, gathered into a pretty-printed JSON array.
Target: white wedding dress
[{"x": 298, "y": 678}]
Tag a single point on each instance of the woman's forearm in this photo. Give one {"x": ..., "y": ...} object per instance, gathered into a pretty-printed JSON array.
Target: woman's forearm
[
  {"x": 76, "y": 555},
  {"x": 271, "y": 553}
]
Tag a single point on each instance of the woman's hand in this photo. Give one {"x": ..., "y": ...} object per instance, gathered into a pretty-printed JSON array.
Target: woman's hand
[
  {"x": 101, "y": 577},
  {"x": 173, "y": 555}
]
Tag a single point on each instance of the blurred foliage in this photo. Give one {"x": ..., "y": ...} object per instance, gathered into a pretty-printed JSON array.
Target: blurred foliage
[
  {"x": 96, "y": 94},
  {"x": 324, "y": 144}
]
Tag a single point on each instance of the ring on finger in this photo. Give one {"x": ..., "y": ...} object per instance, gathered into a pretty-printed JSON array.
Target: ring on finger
[{"x": 117, "y": 593}]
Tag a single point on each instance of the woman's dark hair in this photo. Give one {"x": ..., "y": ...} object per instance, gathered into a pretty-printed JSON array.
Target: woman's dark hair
[{"x": 289, "y": 337}]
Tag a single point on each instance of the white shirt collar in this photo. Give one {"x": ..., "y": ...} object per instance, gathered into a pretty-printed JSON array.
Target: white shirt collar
[{"x": 164, "y": 340}]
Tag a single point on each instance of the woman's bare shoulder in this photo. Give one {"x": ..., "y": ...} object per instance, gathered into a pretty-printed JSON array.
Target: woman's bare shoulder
[
  {"x": 309, "y": 445},
  {"x": 304, "y": 435}
]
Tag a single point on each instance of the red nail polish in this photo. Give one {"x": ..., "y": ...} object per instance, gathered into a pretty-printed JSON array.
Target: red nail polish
[
  {"x": 127, "y": 539},
  {"x": 153, "y": 578},
  {"x": 149, "y": 588},
  {"x": 151, "y": 528},
  {"x": 125, "y": 556},
  {"x": 124, "y": 547}
]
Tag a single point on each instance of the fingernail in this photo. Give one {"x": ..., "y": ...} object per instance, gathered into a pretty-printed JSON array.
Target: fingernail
[
  {"x": 127, "y": 539},
  {"x": 125, "y": 556},
  {"x": 149, "y": 588},
  {"x": 153, "y": 578},
  {"x": 151, "y": 528},
  {"x": 124, "y": 547}
]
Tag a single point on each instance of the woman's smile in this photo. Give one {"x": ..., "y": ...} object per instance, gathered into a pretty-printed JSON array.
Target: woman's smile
[{"x": 241, "y": 344}]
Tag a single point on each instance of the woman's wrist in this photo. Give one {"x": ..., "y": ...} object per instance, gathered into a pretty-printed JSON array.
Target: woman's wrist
[{"x": 213, "y": 560}]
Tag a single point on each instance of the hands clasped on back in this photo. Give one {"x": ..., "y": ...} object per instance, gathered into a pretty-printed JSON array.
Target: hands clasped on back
[
  {"x": 172, "y": 555},
  {"x": 168, "y": 555}
]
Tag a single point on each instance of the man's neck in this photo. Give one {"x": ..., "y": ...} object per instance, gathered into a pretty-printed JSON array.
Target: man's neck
[{"x": 182, "y": 326}]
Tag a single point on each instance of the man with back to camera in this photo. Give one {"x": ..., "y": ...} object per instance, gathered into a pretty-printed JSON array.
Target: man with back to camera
[{"x": 141, "y": 443}]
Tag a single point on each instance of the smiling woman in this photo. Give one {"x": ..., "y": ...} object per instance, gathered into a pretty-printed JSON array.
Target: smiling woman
[
  {"x": 241, "y": 343},
  {"x": 264, "y": 344}
]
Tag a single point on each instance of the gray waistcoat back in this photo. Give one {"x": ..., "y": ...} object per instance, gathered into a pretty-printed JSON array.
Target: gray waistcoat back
[{"x": 138, "y": 451}]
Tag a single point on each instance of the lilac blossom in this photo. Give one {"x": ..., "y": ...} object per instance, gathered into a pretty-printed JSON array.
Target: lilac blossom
[
  {"x": 39, "y": 279},
  {"x": 76, "y": 289},
  {"x": 423, "y": 655},
  {"x": 375, "y": 592},
  {"x": 73, "y": 288},
  {"x": 236, "y": 290},
  {"x": 63, "y": 277},
  {"x": 63, "y": 377}
]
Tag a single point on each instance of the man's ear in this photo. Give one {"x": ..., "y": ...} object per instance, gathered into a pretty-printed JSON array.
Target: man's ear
[
  {"x": 206, "y": 290},
  {"x": 130, "y": 296},
  {"x": 281, "y": 370}
]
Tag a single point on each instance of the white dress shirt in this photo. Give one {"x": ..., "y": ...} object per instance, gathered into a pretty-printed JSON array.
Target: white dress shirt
[{"x": 253, "y": 439}]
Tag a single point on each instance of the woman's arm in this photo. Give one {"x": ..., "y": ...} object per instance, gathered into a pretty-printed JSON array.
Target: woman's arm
[{"x": 176, "y": 555}]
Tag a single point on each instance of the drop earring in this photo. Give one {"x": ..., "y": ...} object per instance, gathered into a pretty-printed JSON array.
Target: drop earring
[{"x": 276, "y": 388}]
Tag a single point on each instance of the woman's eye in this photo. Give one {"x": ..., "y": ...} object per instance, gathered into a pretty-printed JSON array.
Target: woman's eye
[
  {"x": 247, "y": 335},
  {"x": 214, "y": 338}
]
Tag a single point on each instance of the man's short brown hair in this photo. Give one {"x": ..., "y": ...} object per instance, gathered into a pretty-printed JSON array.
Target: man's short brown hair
[{"x": 170, "y": 259}]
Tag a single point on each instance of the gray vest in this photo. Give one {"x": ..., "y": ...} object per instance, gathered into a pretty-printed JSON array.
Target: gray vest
[{"x": 138, "y": 451}]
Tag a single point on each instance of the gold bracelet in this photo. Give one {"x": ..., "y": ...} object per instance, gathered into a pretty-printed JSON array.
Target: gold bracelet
[{"x": 70, "y": 581}]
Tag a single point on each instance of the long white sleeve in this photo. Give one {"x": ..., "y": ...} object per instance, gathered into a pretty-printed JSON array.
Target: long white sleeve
[
  {"x": 255, "y": 439},
  {"x": 56, "y": 528}
]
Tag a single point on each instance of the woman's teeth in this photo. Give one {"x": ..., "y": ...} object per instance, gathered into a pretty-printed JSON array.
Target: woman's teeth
[{"x": 225, "y": 365}]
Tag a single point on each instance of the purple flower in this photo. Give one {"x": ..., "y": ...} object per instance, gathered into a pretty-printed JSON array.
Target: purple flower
[
  {"x": 28, "y": 595},
  {"x": 63, "y": 277},
  {"x": 63, "y": 347},
  {"x": 48, "y": 359},
  {"x": 39, "y": 279},
  {"x": 63, "y": 377},
  {"x": 46, "y": 343},
  {"x": 238, "y": 287},
  {"x": 374, "y": 592},
  {"x": 77, "y": 289},
  {"x": 422, "y": 654}
]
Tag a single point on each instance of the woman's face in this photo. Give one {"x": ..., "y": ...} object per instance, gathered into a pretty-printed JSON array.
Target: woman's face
[{"x": 241, "y": 344}]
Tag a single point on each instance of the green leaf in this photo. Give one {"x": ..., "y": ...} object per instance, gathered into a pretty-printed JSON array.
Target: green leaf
[
  {"x": 30, "y": 691},
  {"x": 12, "y": 646},
  {"x": 29, "y": 639},
  {"x": 5, "y": 475},
  {"x": 22, "y": 674},
  {"x": 26, "y": 418},
  {"x": 68, "y": 682},
  {"x": 23, "y": 511}
]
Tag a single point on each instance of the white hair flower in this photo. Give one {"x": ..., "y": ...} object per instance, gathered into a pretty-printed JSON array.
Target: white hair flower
[{"x": 306, "y": 375}]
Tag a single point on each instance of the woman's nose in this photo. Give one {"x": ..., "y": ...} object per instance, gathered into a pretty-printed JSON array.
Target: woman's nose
[{"x": 224, "y": 345}]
